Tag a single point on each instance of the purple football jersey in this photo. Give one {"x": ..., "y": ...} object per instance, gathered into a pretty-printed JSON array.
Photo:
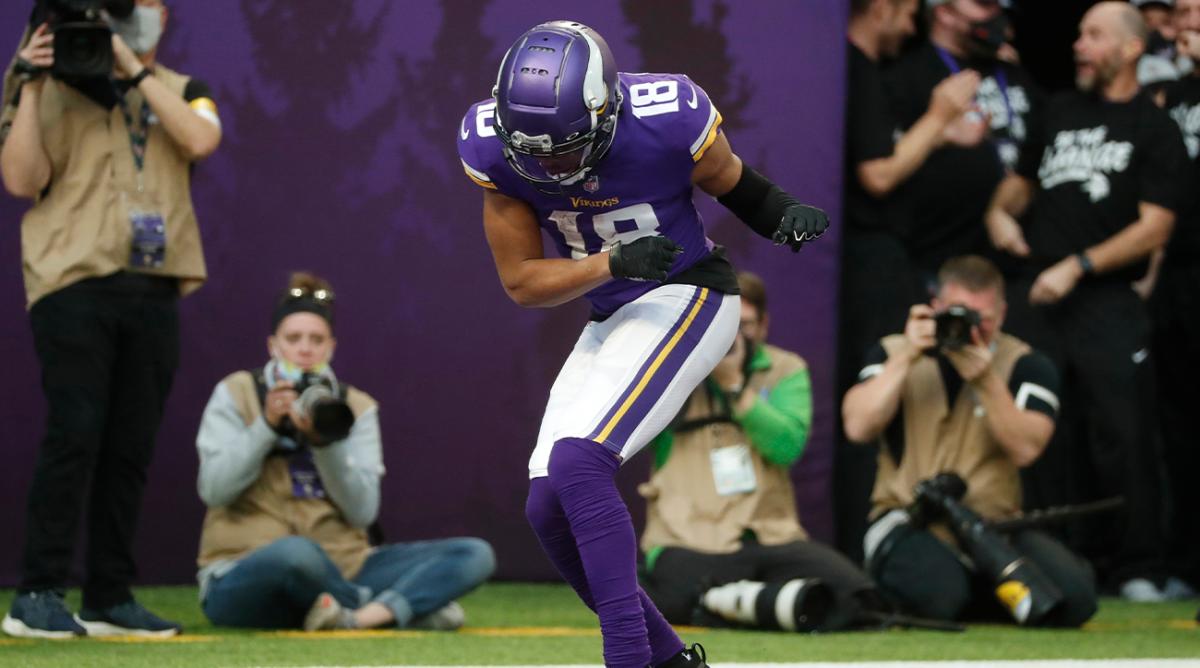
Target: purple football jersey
[{"x": 642, "y": 187}]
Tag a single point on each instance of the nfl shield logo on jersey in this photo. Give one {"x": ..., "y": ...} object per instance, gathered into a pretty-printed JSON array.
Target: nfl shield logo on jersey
[{"x": 592, "y": 184}]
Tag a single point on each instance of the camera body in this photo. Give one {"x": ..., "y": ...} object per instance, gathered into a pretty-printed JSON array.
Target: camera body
[
  {"x": 321, "y": 400},
  {"x": 953, "y": 326},
  {"x": 82, "y": 36}
]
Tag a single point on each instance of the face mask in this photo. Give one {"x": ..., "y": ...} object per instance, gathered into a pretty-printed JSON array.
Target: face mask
[
  {"x": 141, "y": 30},
  {"x": 988, "y": 36},
  {"x": 285, "y": 370}
]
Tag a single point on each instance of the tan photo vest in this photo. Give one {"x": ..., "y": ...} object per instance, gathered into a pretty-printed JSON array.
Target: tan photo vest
[
  {"x": 80, "y": 227},
  {"x": 683, "y": 508},
  {"x": 941, "y": 437},
  {"x": 268, "y": 510}
]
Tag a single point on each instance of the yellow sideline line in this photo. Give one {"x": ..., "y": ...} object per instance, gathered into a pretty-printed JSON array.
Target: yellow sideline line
[{"x": 184, "y": 639}]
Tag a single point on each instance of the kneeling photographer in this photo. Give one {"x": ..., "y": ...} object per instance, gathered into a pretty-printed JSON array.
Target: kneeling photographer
[
  {"x": 290, "y": 466},
  {"x": 953, "y": 396}
]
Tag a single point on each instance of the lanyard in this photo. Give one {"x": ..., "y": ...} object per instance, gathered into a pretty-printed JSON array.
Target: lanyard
[
  {"x": 138, "y": 134},
  {"x": 998, "y": 75}
]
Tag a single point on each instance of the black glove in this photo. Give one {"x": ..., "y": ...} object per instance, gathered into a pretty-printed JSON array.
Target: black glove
[
  {"x": 800, "y": 223},
  {"x": 643, "y": 259}
]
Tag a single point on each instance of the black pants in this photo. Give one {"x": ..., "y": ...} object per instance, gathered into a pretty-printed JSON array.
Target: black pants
[
  {"x": 924, "y": 576},
  {"x": 878, "y": 288},
  {"x": 108, "y": 349},
  {"x": 1106, "y": 442},
  {"x": 1176, "y": 316},
  {"x": 680, "y": 576}
]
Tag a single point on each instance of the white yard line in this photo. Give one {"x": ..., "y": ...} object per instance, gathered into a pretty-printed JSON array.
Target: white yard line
[{"x": 1031, "y": 663}]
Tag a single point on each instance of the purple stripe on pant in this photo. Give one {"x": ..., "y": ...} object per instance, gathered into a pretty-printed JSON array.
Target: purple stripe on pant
[
  {"x": 649, "y": 395},
  {"x": 585, "y": 529}
]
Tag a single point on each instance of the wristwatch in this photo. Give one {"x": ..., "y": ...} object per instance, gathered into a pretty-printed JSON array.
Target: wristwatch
[
  {"x": 139, "y": 77},
  {"x": 26, "y": 71},
  {"x": 1085, "y": 264}
]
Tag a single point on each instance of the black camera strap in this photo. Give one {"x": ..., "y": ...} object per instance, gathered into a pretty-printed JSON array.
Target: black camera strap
[
  {"x": 261, "y": 389},
  {"x": 720, "y": 404},
  {"x": 139, "y": 133}
]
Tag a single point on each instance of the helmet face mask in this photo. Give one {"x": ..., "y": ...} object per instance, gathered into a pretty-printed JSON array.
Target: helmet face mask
[
  {"x": 540, "y": 161},
  {"x": 556, "y": 103}
]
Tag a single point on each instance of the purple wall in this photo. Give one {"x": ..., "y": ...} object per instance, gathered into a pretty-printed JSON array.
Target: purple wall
[{"x": 339, "y": 158}]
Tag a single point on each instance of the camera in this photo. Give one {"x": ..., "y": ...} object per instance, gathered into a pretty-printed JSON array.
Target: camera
[
  {"x": 953, "y": 326},
  {"x": 1021, "y": 587},
  {"x": 322, "y": 402},
  {"x": 82, "y": 36}
]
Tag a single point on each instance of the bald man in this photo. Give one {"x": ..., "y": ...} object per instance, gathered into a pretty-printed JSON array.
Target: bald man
[{"x": 1096, "y": 193}]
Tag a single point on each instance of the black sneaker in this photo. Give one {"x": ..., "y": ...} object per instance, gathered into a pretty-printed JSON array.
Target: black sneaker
[
  {"x": 693, "y": 657},
  {"x": 41, "y": 614},
  {"x": 127, "y": 619}
]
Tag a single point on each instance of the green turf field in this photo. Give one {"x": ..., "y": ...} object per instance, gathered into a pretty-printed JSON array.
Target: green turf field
[{"x": 545, "y": 624}]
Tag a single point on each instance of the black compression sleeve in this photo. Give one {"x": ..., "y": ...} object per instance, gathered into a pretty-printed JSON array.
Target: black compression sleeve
[{"x": 757, "y": 202}]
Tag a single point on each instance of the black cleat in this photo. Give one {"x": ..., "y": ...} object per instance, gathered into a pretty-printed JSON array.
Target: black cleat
[{"x": 693, "y": 657}]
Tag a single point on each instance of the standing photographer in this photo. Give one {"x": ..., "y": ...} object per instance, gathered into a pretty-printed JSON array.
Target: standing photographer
[
  {"x": 104, "y": 148},
  {"x": 290, "y": 464},
  {"x": 953, "y": 394}
]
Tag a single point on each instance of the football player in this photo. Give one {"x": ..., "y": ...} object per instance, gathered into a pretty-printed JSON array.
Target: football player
[{"x": 605, "y": 163}]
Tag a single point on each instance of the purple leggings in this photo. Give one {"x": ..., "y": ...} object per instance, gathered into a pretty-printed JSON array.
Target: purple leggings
[{"x": 585, "y": 529}]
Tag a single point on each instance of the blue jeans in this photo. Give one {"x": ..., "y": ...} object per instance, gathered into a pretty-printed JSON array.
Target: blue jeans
[{"x": 274, "y": 586}]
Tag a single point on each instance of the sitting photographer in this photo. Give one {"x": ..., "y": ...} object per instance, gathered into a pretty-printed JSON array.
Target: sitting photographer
[
  {"x": 954, "y": 395},
  {"x": 290, "y": 464},
  {"x": 723, "y": 541}
]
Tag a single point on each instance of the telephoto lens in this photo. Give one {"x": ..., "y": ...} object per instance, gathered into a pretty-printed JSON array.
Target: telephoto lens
[
  {"x": 320, "y": 401},
  {"x": 1021, "y": 587}
]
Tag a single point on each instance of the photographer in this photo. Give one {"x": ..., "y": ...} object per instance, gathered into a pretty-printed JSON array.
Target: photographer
[
  {"x": 954, "y": 394},
  {"x": 109, "y": 244},
  {"x": 721, "y": 520},
  {"x": 292, "y": 483}
]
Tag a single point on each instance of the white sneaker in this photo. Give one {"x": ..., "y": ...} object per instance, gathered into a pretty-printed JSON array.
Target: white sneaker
[
  {"x": 325, "y": 614},
  {"x": 1178, "y": 590},
  {"x": 447, "y": 618},
  {"x": 1142, "y": 590}
]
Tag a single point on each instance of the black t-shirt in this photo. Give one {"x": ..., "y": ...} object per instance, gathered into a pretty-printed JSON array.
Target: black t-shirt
[
  {"x": 944, "y": 202},
  {"x": 1034, "y": 384},
  {"x": 1183, "y": 105},
  {"x": 870, "y": 135},
  {"x": 1094, "y": 162}
]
